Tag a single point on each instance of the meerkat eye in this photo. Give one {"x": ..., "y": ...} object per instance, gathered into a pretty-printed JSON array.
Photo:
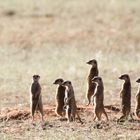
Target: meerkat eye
[{"x": 90, "y": 62}]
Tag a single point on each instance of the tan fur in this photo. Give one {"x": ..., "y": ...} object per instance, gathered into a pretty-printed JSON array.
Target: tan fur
[
  {"x": 125, "y": 94},
  {"x": 91, "y": 86},
  {"x": 137, "y": 111},
  {"x": 98, "y": 98},
  {"x": 60, "y": 95},
  {"x": 36, "y": 99},
  {"x": 70, "y": 102}
]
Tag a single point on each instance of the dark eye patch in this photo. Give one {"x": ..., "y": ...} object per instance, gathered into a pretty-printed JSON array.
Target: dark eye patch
[{"x": 100, "y": 79}]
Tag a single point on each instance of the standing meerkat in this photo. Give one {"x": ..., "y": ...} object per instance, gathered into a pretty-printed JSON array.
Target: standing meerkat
[
  {"x": 70, "y": 102},
  {"x": 36, "y": 99},
  {"x": 125, "y": 94},
  {"x": 93, "y": 72},
  {"x": 60, "y": 95},
  {"x": 98, "y": 98},
  {"x": 137, "y": 111}
]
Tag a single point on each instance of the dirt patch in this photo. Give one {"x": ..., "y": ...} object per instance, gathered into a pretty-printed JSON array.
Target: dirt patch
[
  {"x": 23, "y": 113},
  {"x": 17, "y": 120}
]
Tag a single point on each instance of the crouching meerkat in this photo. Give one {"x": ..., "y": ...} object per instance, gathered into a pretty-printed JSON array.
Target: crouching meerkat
[
  {"x": 125, "y": 94},
  {"x": 93, "y": 72},
  {"x": 36, "y": 99},
  {"x": 137, "y": 111},
  {"x": 70, "y": 102},
  {"x": 98, "y": 99},
  {"x": 60, "y": 95}
]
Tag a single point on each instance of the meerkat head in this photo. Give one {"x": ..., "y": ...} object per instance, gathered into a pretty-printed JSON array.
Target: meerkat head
[
  {"x": 92, "y": 62},
  {"x": 58, "y": 81},
  {"x": 36, "y": 78},
  {"x": 96, "y": 79},
  {"x": 138, "y": 80},
  {"x": 66, "y": 83},
  {"x": 124, "y": 77}
]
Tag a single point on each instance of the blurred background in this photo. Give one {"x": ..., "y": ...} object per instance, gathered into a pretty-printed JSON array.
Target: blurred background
[{"x": 55, "y": 39}]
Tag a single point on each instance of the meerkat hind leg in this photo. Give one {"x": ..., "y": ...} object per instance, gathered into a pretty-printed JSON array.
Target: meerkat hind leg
[
  {"x": 40, "y": 107},
  {"x": 79, "y": 118},
  {"x": 105, "y": 114},
  {"x": 98, "y": 115},
  {"x": 69, "y": 115},
  {"x": 33, "y": 109},
  {"x": 89, "y": 95}
]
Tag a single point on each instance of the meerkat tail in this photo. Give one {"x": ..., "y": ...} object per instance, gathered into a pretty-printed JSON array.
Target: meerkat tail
[{"x": 79, "y": 118}]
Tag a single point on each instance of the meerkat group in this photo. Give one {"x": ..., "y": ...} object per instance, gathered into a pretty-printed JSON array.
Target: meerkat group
[{"x": 66, "y": 102}]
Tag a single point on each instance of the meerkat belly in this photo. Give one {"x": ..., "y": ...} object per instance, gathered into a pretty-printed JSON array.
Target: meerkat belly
[
  {"x": 126, "y": 100},
  {"x": 98, "y": 102},
  {"x": 91, "y": 87},
  {"x": 138, "y": 102},
  {"x": 60, "y": 100},
  {"x": 35, "y": 97},
  {"x": 72, "y": 103}
]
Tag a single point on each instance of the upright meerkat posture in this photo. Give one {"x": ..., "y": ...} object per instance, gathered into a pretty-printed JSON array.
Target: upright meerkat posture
[
  {"x": 36, "y": 99},
  {"x": 70, "y": 103},
  {"x": 93, "y": 72},
  {"x": 125, "y": 94},
  {"x": 137, "y": 112},
  {"x": 60, "y": 95},
  {"x": 98, "y": 98}
]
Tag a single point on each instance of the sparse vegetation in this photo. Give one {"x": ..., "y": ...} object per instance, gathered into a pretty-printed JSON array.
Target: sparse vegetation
[{"x": 55, "y": 39}]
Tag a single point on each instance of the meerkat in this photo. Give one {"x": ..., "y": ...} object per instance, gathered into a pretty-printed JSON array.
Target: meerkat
[
  {"x": 125, "y": 94},
  {"x": 70, "y": 102},
  {"x": 93, "y": 72},
  {"x": 137, "y": 111},
  {"x": 98, "y": 98},
  {"x": 60, "y": 95},
  {"x": 36, "y": 99}
]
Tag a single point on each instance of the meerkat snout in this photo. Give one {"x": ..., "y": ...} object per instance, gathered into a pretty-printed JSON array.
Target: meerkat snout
[
  {"x": 92, "y": 62},
  {"x": 36, "y": 78},
  {"x": 138, "y": 80},
  {"x": 124, "y": 77},
  {"x": 58, "y": 81}
]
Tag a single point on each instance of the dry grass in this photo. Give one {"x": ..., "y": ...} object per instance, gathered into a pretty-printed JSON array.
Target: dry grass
[{"x": 55, "y": 39}]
